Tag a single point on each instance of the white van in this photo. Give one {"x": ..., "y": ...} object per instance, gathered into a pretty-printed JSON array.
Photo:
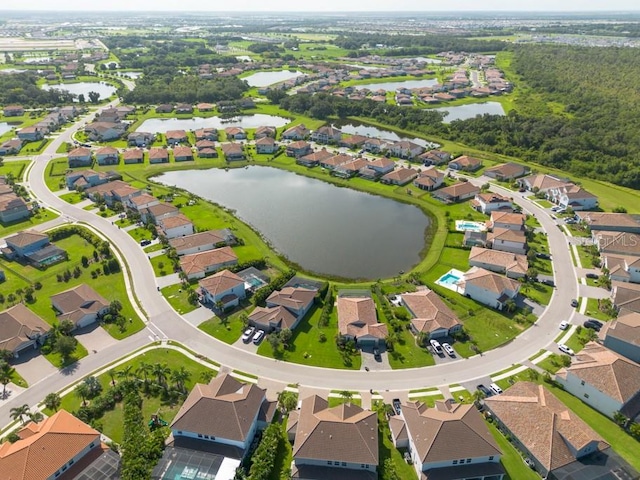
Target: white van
[{"x": 495, "y": 389}]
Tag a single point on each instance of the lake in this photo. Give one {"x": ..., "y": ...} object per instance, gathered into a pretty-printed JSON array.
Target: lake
[
  {"x": 354, "y": 128},
  {"x": 264, "y": 79},
  {"x": 162, "y": 125},
  {"x": 83, "y": 88},
  {"x": 393, "y": 86},
  {"x": 463, "y": 112},
  {"x": 4, "y": 127},
  {"x": 133, "y": 75},
  {"x": 427, "y": 60},
  {"x": 323, "y": 228}
]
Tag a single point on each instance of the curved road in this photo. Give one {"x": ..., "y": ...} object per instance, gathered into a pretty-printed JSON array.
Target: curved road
[{"x": 164, "y": 322}]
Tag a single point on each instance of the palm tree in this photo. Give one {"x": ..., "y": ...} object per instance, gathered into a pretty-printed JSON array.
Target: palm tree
[
  {"x": 179, "y": 377},
  {"x": 346, "y": 395},
  {"x": 52, "y": 401},
  {"x": 112, "y": 373},
  {"x": 145, "y": 369},
  {"x": 206, "y": 376},
  {"x": 478, "y": 396},
  {"x": 6, "y": 372},
  {"x": 161, "y": 372},
  {"x": 83, "y": 391},
  {"x": 19, "y": 412},
  {"x": 125, "y": 372},
  {"x": 35, "y": 417}
]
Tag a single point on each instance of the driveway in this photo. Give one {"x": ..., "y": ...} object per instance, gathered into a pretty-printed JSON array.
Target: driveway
[
  {"x": 167, "y": 280},
  {"x": 94, "y": 338},
  {"x": 593, "y": 292},
  {"x": 199, "y": 315},
  {"x": 371, "y": 363},
  {"x": 33, "y": 367}
]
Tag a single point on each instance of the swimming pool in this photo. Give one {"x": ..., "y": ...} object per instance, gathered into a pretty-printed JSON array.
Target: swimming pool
[
  {"x": 464, "y": 225},
  {"x": 254, "y": 281},
  {"x": 451, "y": 280}
]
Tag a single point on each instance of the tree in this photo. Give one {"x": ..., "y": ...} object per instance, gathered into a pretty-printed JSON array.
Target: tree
[
  {"x": 66, "y": 327},
  {"x": 94, "y": 386},
  {"x": 35, "y": 417},
  {"x": 274, "y": 341},
  {"x": 161, "y": 371},
  {"x": 6, "y": 373},
  {"x": 287, "y": 401},
  {"x": 179, "y": 377},
  {"x": 65, "y": 346},
  {"x": 112, "y": 374},
  {"x": 83, "y": 391},
  {"x": 478, "y": 396},
  {"x": 94, "y": 97},
  {"x": 17, "y": 413},
  {"x": 620, "y": 418},
  {"x": 125, "y": 373},
  {"x": 52, "y": 401},
  {"x": 346, "y": 395},
  {"x": 206, "y": 376},
  {"x": 81, "y": 98},
  {"x": 145, "y": 369},
  {"x": 510, "y": 305}
]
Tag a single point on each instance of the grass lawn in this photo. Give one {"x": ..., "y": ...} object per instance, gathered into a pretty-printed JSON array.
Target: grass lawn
[
  {"x": 162, "y": 265},
  {"x": 226, "y": 330},
  {"x": 552, "y": 363},
  {"x": 16, "y": 379},
  {"x": 586, "y": 259},
  {"x": 428, "y": 400},
  {"x": 537, "y": 292},
  {"x": 511, "y": 459},
  {"x": 140, "y": 233},
  {"x": 42, "y": 216},
  {"x": 406, "y": 354},
  {"x": 543, "y": 203},
  {"x": 335, "y": 401},
  {"x": 386, "y": 450},
  {"x": 579, "y": 338},
  {"x": 306, "y": 347},
  {"x": 578, "y": 230},
  {"x": 56, "y": 359},
  {"x": 112, "y": 421},
  {"x": 177, "y": 296},
  {"x": 594, "y": 311},
  {"x": 14, "y": 168},
  {"x": 72, "y": 197},
  {"x": 153, "y": 248}
]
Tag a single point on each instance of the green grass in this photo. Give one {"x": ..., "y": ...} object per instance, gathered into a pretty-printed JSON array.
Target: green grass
[
  {"x": 153, "y": 248},
  {"x": 511, "y": 459},
  {"x": 552, "y": 363},
  {"x": 579, "y": 339},
  {"x": 42, "y": 216},
  {"x": 177, "y": 296},
  {"x": 306, "y": 347},
  {"x": 162, "y": 265},
  {"x": 140, "y": 233},
  {"x": 386, "y": 450},
  {"x": 16, "y": 169},
  {"x": 586, "y": 259},
  {"x": 72, "y": 197},
  {"x": 17, "y": 379},
  {"x": 428, "y": 400},
  {"x": 594, "y": 311},
  {"x": 537, "y": 292},
  {"x": 227, "y": 330},
  {"x": 406, "y": 354},
  {"x": 335, "y": 401},
  {"x": 57, "y": 360}
]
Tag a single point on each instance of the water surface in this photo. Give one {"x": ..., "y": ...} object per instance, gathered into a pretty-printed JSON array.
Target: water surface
[
  {"x": 4, "y": 127},
  {"x": 354, "y": 128},
  {"x": 83, "y": 88},
  {"x": 393, "y": 86},
  {"x": 162, "y": 125},
  {"x": 463, "y": 112},
  {"x": 264, "y": 79}
]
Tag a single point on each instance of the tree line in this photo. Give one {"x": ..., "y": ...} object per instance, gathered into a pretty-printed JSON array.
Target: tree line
[{"x": 22, "y": 89}]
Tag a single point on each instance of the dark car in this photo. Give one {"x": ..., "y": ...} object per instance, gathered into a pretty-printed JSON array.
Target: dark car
[
  {"x": 484, "y": 390},
  {"x": 144, "y": 243},
  {"x": 574, "y": 303},
  {"x": 592, "y": 325},
  {"x": 593, "y": 276},
  {"x": 544, "y": 256},
  {"x": 396, "y": 406},
  {"x": 376, "y": 355}
]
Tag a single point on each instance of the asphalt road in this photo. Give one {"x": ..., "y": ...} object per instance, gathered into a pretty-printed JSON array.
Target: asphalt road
[{"x": 166, "y": 323}]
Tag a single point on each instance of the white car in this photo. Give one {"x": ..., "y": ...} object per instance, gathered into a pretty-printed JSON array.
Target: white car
[
  {"x": 564, "y": 325},
  {"x": 450, "y": 351},
  {"x": 563, "y": 348},
  {"x": 436, "y": 346},
  {"x": 257, "y": 338},
  {"x": 248, "y": 333}
]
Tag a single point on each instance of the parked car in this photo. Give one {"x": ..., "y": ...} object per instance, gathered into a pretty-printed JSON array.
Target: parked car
[
  {"x": 144, "y": 243},
  {"x": 495, "y": 388},
  {"x": 564, "y": 325},
  {"x": 565, "y": 349},
  {"x": 436, "y": 346},
  {"x": 396, "y": 406},
  {"x": 548, "y": 281},
  {"x": 484, "y": 390},
  {"x": 555, "y": 209},
  {"x": 376, "y": 355},
  {"x": 574, "y": 303},
  {"x": 407, "y": 458},
  {"x": 248, "y": 333},
  {"x": 544, "y": 256},
  {"x": 570, "y": 220},
  {"x": 450, "y": 351},
  {"x": 593, "y": 325},
  {"x": 529, "y": 463},
  {"x": 593, "y": 276},
  {"x": 257, "y": 338}
]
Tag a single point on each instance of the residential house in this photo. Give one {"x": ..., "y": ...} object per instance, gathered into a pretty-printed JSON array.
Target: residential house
[
  {"x": 175, "y": 226},
  {"x": 210, "y": 134},
  {"x": 506, "y": 171},
  {"x": 175, "y": 137},
  {"x": 113, "y": 192},
  {"x": 31, "y": 134},
  {"x": 326, "y": 134},
  {"x": 223, "y": 288},
  {"x": 237, "y": 407},
  {"x": 235, "y": 133},
  {"x": 298, "y": 149},
  {"x": 13, "y": 111},
  {"x": 11, "y": 147},
  {"x": 59, "y": 447},
  {"x": 81, "y": 305},
  {"x": 314, "y": 158},
  {"x": 164, "y": 108},
  {"x": 512, "y": 265},
  {"x": 334, "y": 442},
  {"x": 206, "y": 149},
  {"x": 298, "y": 132},
  {"x": 622, "y": 268},
  {"x": 622, "y": 334},
  {"x": 506, "y": 220},
  {"x": 357, "y": 319},
  {"x": 572, "y": 196},
  {"x": 335, "y": 161},
  {"x": 156, "y": 213},
  {"x": 353, "y": 141},
  {"x": 205, "y": 107},
  {"x": 350, "y": 169},
  {"x": 604, "y": 380},
  {"x": 197, "y": 265},
  {"x": 107, "y": 156},
  {"x": 405, "y": 149},
  {"x": 285, "y": 308},
  {"x": 13, "y": 208},
  {"x": 544, "y": 429},
  {"x": 34, "y": 248},
  {"x": 232, "y": 151},
  {"x": 430, "y": 315},
  {"x": 429, "y": 179},
  {"x": 140, "y": 139},
  {"x": 401, "y": 176},
  {"x": 158, "y": 155},
  {"x": 182, "y": 154},
  {"x": 375, "y": 145},
  {"x": 489, "y": 288},
  {"x": 20, "y": 329},
  {"x": 80, "y": 179},
  {"x": 625, "y": 296},
  {"x": 449, "y": 441},
  {"x": 141, "y": 202},
  {"x": 617, "y": 243},
  {"x": 266, "y": 145},
  {"x": 465, "y": 163},
  {"x": 381, "y": 166},
  {"x": 133, "y": 155},
  {"x": 456, "y": 192},
  {"x": 513, "y": 241},
  {"x": 541, "y": 182},
  {"x": 105, "y": 131},
  {"x": 607, "y": 221},
  {"x": 474, "y": 239},
  {"x": 80, "y": 157},
  {"x": 490, "y": 202},
  {"x": 184, "y": 108},
  {"x": 202, "y": 241},
  {"x": 262, "y": 132}
]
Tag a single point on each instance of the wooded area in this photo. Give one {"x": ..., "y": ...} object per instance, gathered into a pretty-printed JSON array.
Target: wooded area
[
  {"x": 22, "y": 89},
  {"x": 185, "y": 88}
]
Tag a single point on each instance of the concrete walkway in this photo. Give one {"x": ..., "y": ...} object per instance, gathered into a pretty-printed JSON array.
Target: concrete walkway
[
  {"x": 33, "y": 367},
  {"x": 167, "y": 280},
  {"x": 95, "y": 338},
  {"x": 199, "y": 315}
]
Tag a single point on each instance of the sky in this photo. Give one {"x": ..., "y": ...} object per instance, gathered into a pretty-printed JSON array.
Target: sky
[{"x": 324, "y": 5}]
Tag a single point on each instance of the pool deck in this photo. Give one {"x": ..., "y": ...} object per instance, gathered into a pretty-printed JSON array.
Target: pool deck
[
  {"x": 452, "y": 286},
  {"x": 465, "y": 225}
]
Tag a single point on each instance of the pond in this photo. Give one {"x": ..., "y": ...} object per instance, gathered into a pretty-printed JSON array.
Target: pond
[
  {"x": 264, "y": 79},
  {"x": 133, "y": 75},
  {"x": 4, "y": 128},
  {"x": 463, "y": 112},
  {"x": 323, "y": 228},
  {"x": 427, "y": 60},
  {"x": 162, "y": 125},
  {"x": 393, "y": 86},
  {"x": 354, "y": 128},
  {"x": 83, "y": 88}
]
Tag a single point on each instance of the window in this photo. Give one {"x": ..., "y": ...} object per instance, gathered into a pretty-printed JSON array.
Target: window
[
  {"x": 57, "y": 474},
  {"x": 199, "y": 435},
  {"x": 64, "y": 468},
  {"x": 329, "y": 462},
  {"x": 586, "y": 395},
  {"x": 468, "y": 460},
  {"x": 207, "y": 437},
  {"x": 491, "y": 458},
  {"x": 179, "y": 432},
  {"x": 455, "y": 462},
  {"x": 93, "y": 444},
  {"x": 71, "y": 462},
  {"x": 344, "y": 464}
]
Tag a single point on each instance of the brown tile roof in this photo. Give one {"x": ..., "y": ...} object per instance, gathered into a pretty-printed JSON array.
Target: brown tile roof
[
  {"x": 344, "y": 433},
  {"x": 599, "y": 219},
  {"x": 198, "y": 239},
  {"x": 233, "y": 130},
  {"x": 78, "y": 301},
  {"x": 161, "y": 209},
  {"x": 175, "y": 134},
  {"x": 231, "y": 148},
  {"x": 543, "y": 424},
  {"x": 143, "y": 199},
  {"x": 608, "y": 372},
  {"x": 174, "y": 221},
  {"x": 158, "y": 153},
  {"x": 507, "y": 169},
  {"x": 265, "y": 141},
  {"x": 489, "y": 280},
  {"x": 80, "y": 152},
  {"x": 336, "y": 160},
  {"x": 277, "y": 317},
  {"x": 107, "y": 151},
  {"x": 224, "y": 408},
  {"x": 508, "y": 218},
  {"x": 357, "y": 317},
  {"x": 430, "y": 312},
  {"x": 132, "y": 154},
  {"x": 626, "y": 327},
  {"x": 220, "y": 282},
  {"x": 296, "y": 298},
  {"x": 466, "y": 161},
  {"x": 448, "y": 432},
  {"x": 26, "y": 237},
  {"x": 299, "y": 145},
  {"x": 511, "y": 262},
  {"x": 625, "y": 243},
  {"x": 201, "y": 261},
  {"x": 489, "y": 197},
  {"x": 18, "y": 324},
  {"x": 318, "y": 156},
  {"x": 182, "y": 152},
  {"x": 544, "y": 182},
  {"x": 400, "y": 175},
  {"x": 458, "y": 190},
  {"x": 381, "y": 162},
  {"x": 45, "y": 447},
  {"x": 507, "y": 235}
]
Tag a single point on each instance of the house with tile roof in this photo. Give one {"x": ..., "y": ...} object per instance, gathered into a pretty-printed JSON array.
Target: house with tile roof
[
  {"x": 506, "y": 220},
  {"x": 266, "y": 145},
  {"x": 82, "y": 179},
  {"x": 235, "y": 133},
  {"x": 314, "y": 158},
  {"x": 572, "y": 196},
  {"x": 512, "y": 265},
  {"x": 225, "y": 287},
  {"x": 25, "y": 242},
  {"x": 430, "y": 315},
  {"x": 156, "y": 213},
  {"x": 506, "y": 240},
  {"x": 140, "y": 139},
  {"x": 358, "y": 320},
  {"x": 618, "y": 222},
  {"x": 197, "y": 265},
  {"x": 13, "y": 208},
  {"x": 232, "y": 151},
  {"x": 107, "y": 156},
  {"x": 541, "y": 182},
  {"x": 448, "y": 441},
  {"x": 298, "y": 149},
  {"x": 224, "y": 412},
  {"x": 617, "y": 243},
  {"x": 429, "y": 179},
  {"x": 489, "y": 288},
  {"x": 21, "y": 329},
  {"x": 80, "y": 157},
  {"x": 457, "y": 192},
  {"x": 434, "y": 157},
  {"x": 158, "y": 155},
  {"x": 491, "y": 202},
  {"x": 59, "y": 447},
  {"x": 133, "y": 155},
  {"x": 506, "y": 171},
  {"x": 326, "y": 134},
  {"x": 405, "y": 149},
  {"x": 335, "y": 161},
  {"x": 285, "y": 308},
  {"x": 622, "y": 268},
  {"x": 210, "y": 134},
  {"x": 542, "y": 427},
  {"x": 202, "y": 241},
  {"x": 376, "y": 145},
  {"x": 175, "y": 226},
  {"x": 606, "y": 381},
  {"x": 350, "y": 169},
  {"x": 81, "y": 305},
  {"x": 465, "y": 163},
  {"x": 400, "y": 176},
  {"x": 265, "y": 131},
  {"x": 622, "y": 334},
  {"x": 174, "y": 137},
  {"x": 625, "y": 296},
  {"x": 297, "y": 132},
  {"x": 339, "y": 442},
  {"x": 141, "y": 202}
]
